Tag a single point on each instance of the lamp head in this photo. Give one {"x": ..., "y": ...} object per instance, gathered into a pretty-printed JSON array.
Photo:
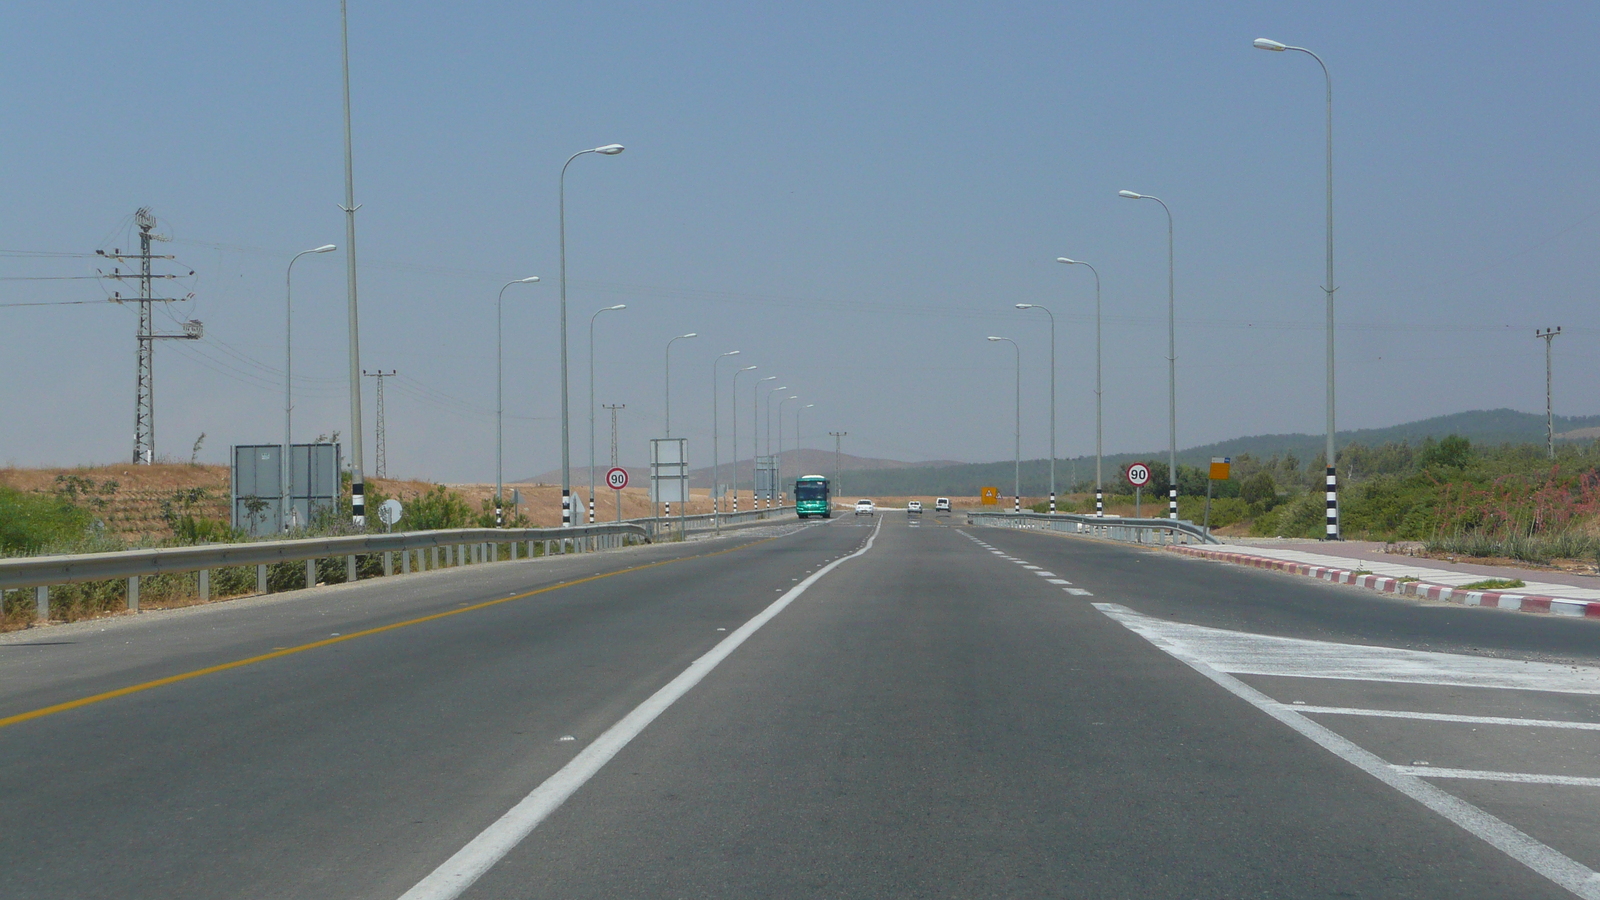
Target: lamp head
[
  {"x": 609, "y": 149},
  {"x": 618, "y": 306},
  {"x": 993, "y": 338},
  {"x": 783, "y": 388},
  {"x": 529, "y": 280},
  {"x": 795, "y": 397},
  {"x": 689, "y": 335},
  {"x": 768, "y": 378},
  {"x": 731, "y": 353},
  {"x": 1130, "y": 195},
  {"x": 1265, "y": 44},
  {"x": 748, "y": 368},
  {"x": 1063, "y": 259},
  {"x": 808, "y": 406},
  {"x": 1024, "y": 306},
  {"x": 325, "y": 248}
]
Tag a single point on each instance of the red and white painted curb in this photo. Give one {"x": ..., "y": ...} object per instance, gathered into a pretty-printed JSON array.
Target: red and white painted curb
[{"x": 1496, "y": 599}]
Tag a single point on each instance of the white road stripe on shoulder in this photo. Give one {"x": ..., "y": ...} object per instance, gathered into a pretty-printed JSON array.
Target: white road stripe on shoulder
[
  {"x": 1443, "y": 717},
  {"x": 1078, "y": 592},
  {"x": 480, "y": 854},
  {"x": 1480, "y": 775},
  {"x": 1512, "y": 841},
  {"x": 1058, "y": 581}
]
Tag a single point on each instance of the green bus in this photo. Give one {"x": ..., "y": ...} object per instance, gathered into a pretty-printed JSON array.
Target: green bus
[{"x": 811, "y": 497}]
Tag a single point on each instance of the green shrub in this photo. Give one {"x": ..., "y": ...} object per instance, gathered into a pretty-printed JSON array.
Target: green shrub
[{"x": 30, "y": 522}]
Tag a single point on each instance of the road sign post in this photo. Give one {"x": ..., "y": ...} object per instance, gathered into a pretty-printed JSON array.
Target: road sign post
[
  {"x": 989, "y": 496},
  {"x": 1220, "y": 468},
  {"x": 1138, "y": 475}
]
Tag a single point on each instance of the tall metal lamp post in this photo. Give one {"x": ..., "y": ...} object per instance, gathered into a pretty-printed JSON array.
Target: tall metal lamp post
[
  {"x": 1172, "y": 365},
  {"x": 716, "y": 464},
  {"x": 287, "y": 479},
  {"x": 566, "y": 419},
  {"x": 1099, "y": 486},
  {"x": 1052, "y": 399},
  {"x": 779, "y": 463},
  {"x": 775, "y": 460},
  {"x": 499, "y": 404},
  {"x": 619, "y": 306},
  {"x": 733, "y": 414},
  {"x": 755, "y": 437},
  {"x": 1333, "y": 532},
  {"x": 1016, "y": 488}
]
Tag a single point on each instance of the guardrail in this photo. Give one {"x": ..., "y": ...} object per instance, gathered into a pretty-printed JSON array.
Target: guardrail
[
  {"x": 459, "y": 546},
  {"x": 1134, "y": 531}
]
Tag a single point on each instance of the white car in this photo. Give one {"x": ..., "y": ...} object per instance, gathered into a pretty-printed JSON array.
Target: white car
[
  {"x": 941, "y": 505},
  {"x": 865, "y": 507},
  {"x": 914, "y": 506}
]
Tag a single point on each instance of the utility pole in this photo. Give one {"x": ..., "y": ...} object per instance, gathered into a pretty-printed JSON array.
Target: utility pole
[
  {"x": 144, "y": 405},
  {"x": 1549, "y": 335},
  {"x": 837, "y": 436},
  {"x": 614, "y": 407},
  {"x": 381, "y": 470}
]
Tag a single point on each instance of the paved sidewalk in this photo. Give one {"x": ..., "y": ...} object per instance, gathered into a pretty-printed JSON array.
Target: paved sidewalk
[{"x": 1366, "y": 565}]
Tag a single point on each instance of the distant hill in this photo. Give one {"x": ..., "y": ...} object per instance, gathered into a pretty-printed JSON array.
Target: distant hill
[
  {"x": 791, "y": 463},
  {"x": 1491, "y": 426}
]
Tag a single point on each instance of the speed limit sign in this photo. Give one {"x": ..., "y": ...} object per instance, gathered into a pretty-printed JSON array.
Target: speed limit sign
[
  {"x": 617, "y": 478},
  {"x": 1138, "y": 474}
]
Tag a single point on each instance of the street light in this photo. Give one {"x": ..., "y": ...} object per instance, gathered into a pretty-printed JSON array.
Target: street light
[
  {"x": 716, "y": 465},
  {"x": 780, "y": 431},
  {"x": 499, "y": 404},
  {"x": 733, "y": 411},
  {"x": 1172, "y": 366},
  {"x": 1016, "y": 488},
  {"x": 1333, "y": 532},
  {"x": 597, "y": 312},
  {"x": 666, "y": 380},
  {"x": 1052, "y": 399},
  {"x": 755, "y": 439},
  {"x": 777, "y": 465},
  {"x": 286, "y": 508},
  {"x": 1099, "y": 487},
  {"x": 566, "y": 441}
]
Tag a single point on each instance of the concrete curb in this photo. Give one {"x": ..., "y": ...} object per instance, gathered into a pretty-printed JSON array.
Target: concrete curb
[{"x": 1495, "y": 599}]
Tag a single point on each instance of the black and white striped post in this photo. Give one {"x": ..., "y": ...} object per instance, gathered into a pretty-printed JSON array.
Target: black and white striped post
[{"x": 1333, "y": 504}]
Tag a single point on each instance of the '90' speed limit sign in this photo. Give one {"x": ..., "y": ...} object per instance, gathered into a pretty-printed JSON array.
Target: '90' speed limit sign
[
  {"x": 1138, "y": 474},
  {"x": 617, "y": 478}
]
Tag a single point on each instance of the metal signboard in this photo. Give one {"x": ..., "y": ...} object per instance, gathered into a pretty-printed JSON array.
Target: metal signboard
[
  {"x": 258, "y": 486},
  {"x": 1138, "y": 474},
  {"x": 617, "y": 478},
  {"x": 766, "y": 478},
  {"x": 669, "y": 470},
  {"x": 989, "y": 496},
  {"x": 1221, "y": 466}
]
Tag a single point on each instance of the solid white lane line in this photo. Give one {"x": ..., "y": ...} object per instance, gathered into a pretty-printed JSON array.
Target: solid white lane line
[
  {"x": 1480, "y": 775},
  {"x": 1445, "y": 717},
  {"x": 469, "y": 863},
  {"x": 1546, "y": 860}
]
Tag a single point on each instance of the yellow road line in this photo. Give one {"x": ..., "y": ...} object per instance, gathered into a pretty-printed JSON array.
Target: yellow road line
[{"x": 301, "y": 648}]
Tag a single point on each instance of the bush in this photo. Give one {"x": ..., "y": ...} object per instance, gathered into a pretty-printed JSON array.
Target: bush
[{"x": 30, "y": 522}]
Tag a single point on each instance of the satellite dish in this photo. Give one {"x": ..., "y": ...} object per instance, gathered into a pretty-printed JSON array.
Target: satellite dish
[{"x": 390, "y": 512}]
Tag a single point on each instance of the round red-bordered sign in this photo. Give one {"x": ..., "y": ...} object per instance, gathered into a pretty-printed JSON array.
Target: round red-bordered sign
[
  {"x": 1138, "y": 474},
  {"x": 617, "y": 478}
]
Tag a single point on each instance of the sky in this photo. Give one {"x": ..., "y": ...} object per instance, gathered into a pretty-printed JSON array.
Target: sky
[{"x": 853, "y": 195}]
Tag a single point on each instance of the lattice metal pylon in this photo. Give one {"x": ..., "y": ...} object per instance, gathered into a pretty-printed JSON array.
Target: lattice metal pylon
[{"x": 381, "y": 467}]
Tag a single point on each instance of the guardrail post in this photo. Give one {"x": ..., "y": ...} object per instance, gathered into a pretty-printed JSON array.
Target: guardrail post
[
  {"x": 405, "y": 562},
  {"x": 311, "y": 573},
  {"x": 41, "y": 602},
  {"x": 261, "y": 578},
  {"x": 205, "y": 585},
  {"x": 388, "y": 563},
  {"x": 349, "y": 570},
  {"x": 133, "y": 593}
]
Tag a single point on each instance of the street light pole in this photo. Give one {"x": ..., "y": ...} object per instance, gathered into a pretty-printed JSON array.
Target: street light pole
[
  {"x": 797, "y": 432},
  {"x": 776, "y": 466},
  {"x": 499, "y": 404},
  {"x": 1052, "y": 399},
  {"x": 566, "y": 421},
  {"x": 1099, "y": 487},
  {"x": 286, "y": 509},
  {"x": 597, "y": 312},
  {"x": 1172, "y": 365},
  {"x": 733, "y": 413},
  {"x": 358, "y": 481},
  {"x": 1016, "y": 488},
  {"x": 716, "y": 463},
  {"x": 779, "y": 464},
  {"x": 1333, "y": 530},
  {"x": 666, "y": 380},
  {"x": 755, "y": 440}
]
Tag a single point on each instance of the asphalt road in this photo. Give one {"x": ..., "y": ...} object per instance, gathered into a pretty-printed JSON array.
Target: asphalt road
[{"x": 942, "y": 711}]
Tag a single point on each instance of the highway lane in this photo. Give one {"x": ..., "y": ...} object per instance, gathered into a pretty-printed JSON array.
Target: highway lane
[
  {"x": 931, "y": 718},
  {"x": 331, "y": 772}
]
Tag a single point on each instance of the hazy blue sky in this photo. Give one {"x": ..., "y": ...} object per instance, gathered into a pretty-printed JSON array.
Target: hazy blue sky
[{"x": 853, "y": 194}]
